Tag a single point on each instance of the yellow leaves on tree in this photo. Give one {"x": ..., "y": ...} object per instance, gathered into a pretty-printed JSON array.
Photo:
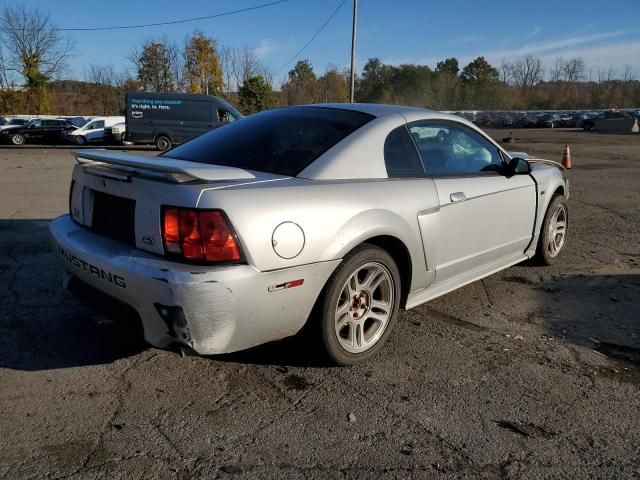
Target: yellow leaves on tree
[{"x": 202, "y": 70}]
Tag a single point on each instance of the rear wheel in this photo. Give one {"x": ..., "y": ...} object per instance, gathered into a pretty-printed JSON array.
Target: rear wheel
[
  {"x": 553, "y": 234},
  {"x": 163, "y": 143},
  {"x": 18, "y": 139},
  {"x": 359, "y": 305}
]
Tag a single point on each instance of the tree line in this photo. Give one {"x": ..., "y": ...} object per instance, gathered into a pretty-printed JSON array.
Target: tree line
[{"x": 34, "y": 55}]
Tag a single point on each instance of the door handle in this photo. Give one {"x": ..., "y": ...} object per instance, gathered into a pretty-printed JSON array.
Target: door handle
[{"x": 457, "y": 197}]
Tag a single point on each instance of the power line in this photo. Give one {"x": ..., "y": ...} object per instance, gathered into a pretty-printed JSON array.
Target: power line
[
  {"x": 172, "y": 22},
  {"x": 313, "y": 37}
]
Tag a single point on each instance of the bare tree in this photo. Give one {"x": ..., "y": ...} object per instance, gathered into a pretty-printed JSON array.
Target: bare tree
[
  {"x": 606, "y": 75},
  {"x": 34, "y": 48},
  {"x": 103, "y": 79},
  {"x": 100, "y": 74},
  {"x": 238, "y": 65},
  {"x": 527, "y": 72},
  {"x": 555, "y": 74},
  {"x": 4, "y": 79},
  {"x": 573, "y": 70},
  {"x": 627, "y": 74},
  {"x": 506, "y": 71}
]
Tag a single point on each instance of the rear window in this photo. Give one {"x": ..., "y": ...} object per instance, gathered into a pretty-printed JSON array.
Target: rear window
[{"x": 282, "y": 141}]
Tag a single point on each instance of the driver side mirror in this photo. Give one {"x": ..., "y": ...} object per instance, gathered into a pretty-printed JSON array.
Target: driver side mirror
[{"x": 517, "y": 166}]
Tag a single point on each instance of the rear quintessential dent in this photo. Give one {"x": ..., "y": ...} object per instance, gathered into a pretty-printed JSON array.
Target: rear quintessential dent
[{"x": 335, "y": 214}]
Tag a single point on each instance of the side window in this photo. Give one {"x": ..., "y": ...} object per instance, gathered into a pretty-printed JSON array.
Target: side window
[
  {"x": 99, "y": 124},
  {"x": 52, "y": 123},
  {"x": 453, "y": 149},
  {"x": 224, "y": 116},
  {"x": 400, "y": 155}
]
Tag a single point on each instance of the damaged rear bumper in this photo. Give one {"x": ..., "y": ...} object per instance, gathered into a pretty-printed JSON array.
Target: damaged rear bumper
[{"x": 211, "y": 309}]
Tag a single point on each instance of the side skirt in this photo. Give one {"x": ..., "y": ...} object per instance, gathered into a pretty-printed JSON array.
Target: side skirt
[{"x": 424, "y": 295}]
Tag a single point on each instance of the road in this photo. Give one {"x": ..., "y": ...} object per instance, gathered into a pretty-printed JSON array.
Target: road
[{"x": 531, "y": 373}]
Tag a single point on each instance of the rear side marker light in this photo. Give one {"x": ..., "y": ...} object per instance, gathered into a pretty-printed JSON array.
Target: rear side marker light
[
  {"x": 202, "y": 235},
  {"x": 283, "y": 286}
]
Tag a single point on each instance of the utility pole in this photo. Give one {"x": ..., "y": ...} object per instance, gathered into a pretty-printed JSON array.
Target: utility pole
[{"x": 353, "y": 52}]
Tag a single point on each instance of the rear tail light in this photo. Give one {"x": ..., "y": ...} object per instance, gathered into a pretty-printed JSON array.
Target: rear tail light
[{"x": 203, "y": 235}]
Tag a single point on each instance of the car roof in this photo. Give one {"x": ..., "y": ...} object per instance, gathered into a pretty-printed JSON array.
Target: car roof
[{"x": 375, "y": 109}]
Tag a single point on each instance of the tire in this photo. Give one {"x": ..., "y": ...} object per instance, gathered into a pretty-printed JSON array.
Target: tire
[
  {"x": 349, "y": 332},
  {"x": 79, "y": 140},
  {"x": 163, "y": 143},
  {"x": 550, "y": 245},
  {"x": 126, "y": 143},
  {"x": 18, "y": 139}
]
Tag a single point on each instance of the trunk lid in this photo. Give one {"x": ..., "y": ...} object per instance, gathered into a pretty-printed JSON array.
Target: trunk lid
[{"x": 121, "y": 196}]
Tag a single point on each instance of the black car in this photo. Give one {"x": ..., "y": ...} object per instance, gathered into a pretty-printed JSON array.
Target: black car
[
  {"x": 166, "y": 119},
  {"x": 44, "y": 131},
  {"x": 13, "y": 122},
  {"x": 611, "y": 116},
  {"x": 548, "y": 120}
]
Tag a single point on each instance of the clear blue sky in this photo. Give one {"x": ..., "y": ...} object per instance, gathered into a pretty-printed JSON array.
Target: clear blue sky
[{"x": 605, "y": 34}]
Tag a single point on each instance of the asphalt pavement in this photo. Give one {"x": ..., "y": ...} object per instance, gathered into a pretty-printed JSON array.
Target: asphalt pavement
[{"x": 531, "y": 373}]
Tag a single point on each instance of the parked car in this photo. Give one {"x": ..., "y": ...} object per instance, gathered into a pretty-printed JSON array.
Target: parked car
[
  {"x": 485, "y": 119},
  {"x": 530, "y": 120},
  {"x": 115, "y": 134},
  {"x": 78, "y": 121},
  {"x": 567, "y": 120},
  {"x": 93, "y": 131},
  {"x": 46, "y": 131},
  {"x": 14, "y": 122},
  {"x": 167, "y": 119},
  {"x": 326, "y": 213},
  {"x": 548, "y": 120},
  {"x": 609, "y": 121}
]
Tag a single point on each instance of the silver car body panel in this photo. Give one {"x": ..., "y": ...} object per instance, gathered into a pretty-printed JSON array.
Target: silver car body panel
[{"x": 455, "y": 230}]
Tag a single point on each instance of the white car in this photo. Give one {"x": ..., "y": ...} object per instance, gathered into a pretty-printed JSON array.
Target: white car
[
  {"x": 115, "y": 134},
  {"x": 341, "y": 214},
  {"x": 93, "y": 131}
]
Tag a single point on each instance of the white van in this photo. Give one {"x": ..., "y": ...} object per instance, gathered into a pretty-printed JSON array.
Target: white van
[{"x": 93, "y": 131}]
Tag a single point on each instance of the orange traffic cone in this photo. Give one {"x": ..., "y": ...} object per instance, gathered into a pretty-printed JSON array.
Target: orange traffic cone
[{"x": 566, "y": 158}]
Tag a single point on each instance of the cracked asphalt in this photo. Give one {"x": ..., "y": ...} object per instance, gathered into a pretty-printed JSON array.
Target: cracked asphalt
[{"x": 531, "y": 373}]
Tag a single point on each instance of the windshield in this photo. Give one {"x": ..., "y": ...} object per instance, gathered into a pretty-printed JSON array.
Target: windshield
[{"x": 282, "y": 141}]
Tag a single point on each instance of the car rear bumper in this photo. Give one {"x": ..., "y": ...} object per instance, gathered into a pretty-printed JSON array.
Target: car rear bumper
[{"x": 211, "y": 309}]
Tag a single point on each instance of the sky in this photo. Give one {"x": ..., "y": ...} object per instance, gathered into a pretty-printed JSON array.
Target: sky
[{"x": 605, "y": 34}]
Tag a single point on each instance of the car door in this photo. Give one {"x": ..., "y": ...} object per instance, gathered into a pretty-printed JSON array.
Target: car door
[
  {"x": 95, "y": 131},
  {"x": 403, "y": 163},
  {"x": 35, "y": 131},
  {"x": 485, "y": 217},
  {"x": 52, "y": 131}
]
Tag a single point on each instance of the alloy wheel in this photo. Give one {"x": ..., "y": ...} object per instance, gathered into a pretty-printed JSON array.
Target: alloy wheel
[
  {"x": 364, "y": 307},
  {"x": 557, "y": 230}
]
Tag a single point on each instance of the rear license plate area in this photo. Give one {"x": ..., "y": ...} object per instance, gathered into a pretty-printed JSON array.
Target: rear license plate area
[{"x": 114, "y": 217}]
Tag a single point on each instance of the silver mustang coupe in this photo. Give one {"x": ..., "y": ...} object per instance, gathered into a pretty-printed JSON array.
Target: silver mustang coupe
[{"x": 335, "y": 214}]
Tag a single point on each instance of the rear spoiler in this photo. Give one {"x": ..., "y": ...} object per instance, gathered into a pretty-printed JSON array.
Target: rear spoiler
[{"x": 178, "y": 171}]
